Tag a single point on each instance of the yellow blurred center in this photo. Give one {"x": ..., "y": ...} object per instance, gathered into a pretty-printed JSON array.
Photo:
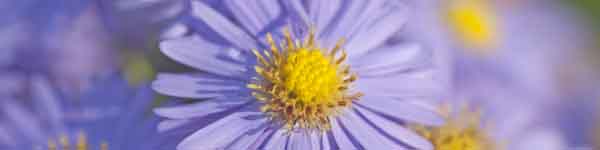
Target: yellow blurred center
[
  {"x": 81, "y": 143},
  {"x": 474, "y": 23},
  {"x": 300, "y": 84},
  {"x": 462, "y": 132}
]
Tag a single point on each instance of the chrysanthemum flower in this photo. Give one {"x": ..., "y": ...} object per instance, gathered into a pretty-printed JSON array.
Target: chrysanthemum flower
[
  {"x": 111, "y": 115},
  {"x": 292, "y": 75}
]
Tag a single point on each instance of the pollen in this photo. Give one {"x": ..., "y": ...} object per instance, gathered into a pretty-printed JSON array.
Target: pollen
[
  {"x": 81, "y": 143},
  {"x": 474, "y": 23},
  {"x": 461, "y": 132},
  {"x": 302, "y": 85}
]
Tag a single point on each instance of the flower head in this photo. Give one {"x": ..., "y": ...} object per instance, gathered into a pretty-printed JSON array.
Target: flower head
[
  {"x": 301, "y": 84},
  {"x": 108, "y": 116},
  {"x": 464, "y": 130},
  {"x": 331, "y": 80}
]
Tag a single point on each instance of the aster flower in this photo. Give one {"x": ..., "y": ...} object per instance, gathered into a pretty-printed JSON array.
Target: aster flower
[
  {"x": 110, "y": 115},
  {"x": 46, "y": 38},
  {"x": 473, "y": 127},
  {"x": 291, "y": 75}
]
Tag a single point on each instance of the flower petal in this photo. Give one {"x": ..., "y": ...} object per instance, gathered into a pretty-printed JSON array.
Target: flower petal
[
  {"x": 299, "y": 141},
  {"x": 400, "y": 109},
  {"x": 342, "y": 140},
  {"x": 16, "y": 115},
  {"x": 253, "y": 141},
  {"x": 47, "y": 103},
  {"x": 365, "y": 25},
  {"x": 200, "y": 109},
  {"x": 245, "y": 141},
  {"x": 393, "y": 58},
  {"x": 323, "y": 12},
  {"x": 403, "y": 85},
  {"x": 365, "y": 134},
  {"x": 172, "y": 124},
  {"x": 223, "y": 26},
  {"x": 395, "y": 130},
  {"x": 222, "y": 132},
  {"x": 377, "y": 26},
  {"x": 324, "y": 141},
  {"x": 255, "y": 16},
  {"x": 197, "y": 85},
  {"x": 201, "y": 54},
  {"x": 278, "y": 140}
]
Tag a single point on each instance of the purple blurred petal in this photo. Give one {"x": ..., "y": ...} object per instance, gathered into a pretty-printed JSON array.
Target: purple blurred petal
[
  {"x": 26, "y": 124},
  {"x": 47, "y": 104}
]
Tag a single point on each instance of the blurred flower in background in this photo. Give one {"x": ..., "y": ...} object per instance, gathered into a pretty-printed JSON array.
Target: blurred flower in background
[
  {"x": 506, "y": 58},
  {"x": 110, "y": 115},
  {"x": 48, "y": 38}
]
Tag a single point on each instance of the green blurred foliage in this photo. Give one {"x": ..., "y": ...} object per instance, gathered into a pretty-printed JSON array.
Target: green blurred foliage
[{"x": 590, "y": 9}]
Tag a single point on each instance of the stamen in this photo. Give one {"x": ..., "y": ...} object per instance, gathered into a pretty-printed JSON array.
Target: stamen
[
  {"x": 81, "y": 141},
  {"x": 104, "y": 146},
  {"x": 80, "y": 144},
  {"x": 463, "y": 132},
  {"x": 64, "y": 141},
  {"x": 51, "y": 145},
  {"x": 300, "y": 84}
]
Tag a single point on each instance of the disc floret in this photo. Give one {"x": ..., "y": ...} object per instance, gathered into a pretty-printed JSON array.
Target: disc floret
[{"x": 300, "y": 84}]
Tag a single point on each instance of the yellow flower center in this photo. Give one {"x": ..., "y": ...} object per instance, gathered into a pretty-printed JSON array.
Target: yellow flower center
[
  {"x": 300, "y": 84},
  {"x": 474, "y": 23},
  {"x": 462, "y": 132},
  {"x": 80, "y": 144}
]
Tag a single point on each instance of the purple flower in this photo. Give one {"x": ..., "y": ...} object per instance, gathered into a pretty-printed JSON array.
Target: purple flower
[
  {"x": 62, "y": 40},
  {"x": 110, "y": 115},
  {"x": 275, "y": 75},
  {"x": 500, "y": 56}
]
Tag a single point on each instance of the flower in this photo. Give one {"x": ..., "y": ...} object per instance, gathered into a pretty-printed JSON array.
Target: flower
[
  {"x": 278, "y": 75},
  {"x": 45, "y": 38},
  {"x": 473, "y": 127},
  {"x": 464, "y": 130},
  {"x": 499, "y": 57},
  {"x": 110, "y": 115}
]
